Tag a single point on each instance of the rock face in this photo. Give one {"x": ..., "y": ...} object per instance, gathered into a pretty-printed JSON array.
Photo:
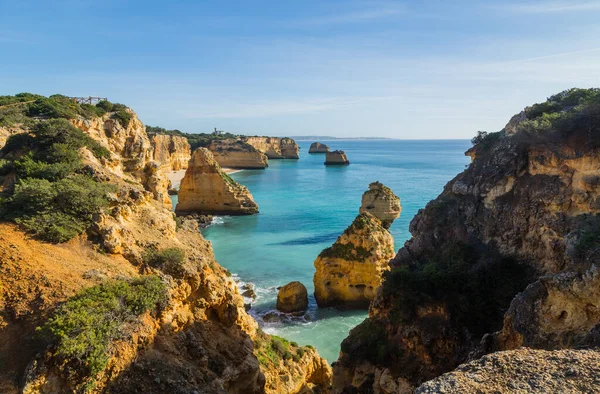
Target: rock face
[
  {"x": 206, "y": 189},
  {"x": 382, "y": 203},
  {"x": 171, "y": 151},
  {"x": 292, "y": 297},
  {"x": 232, "y": 153},
  {"x": 556, "y": 312},
  {"x": 317, "y": 147},
  {"x": 336, "y": 158},
  {"x": 525, "y": 212},
  {"x": 199, "y": 340},
  {"x": 349, "y": 272},
  {"x": 274, "y": 147},
  {"x": 522, "y": 371}
]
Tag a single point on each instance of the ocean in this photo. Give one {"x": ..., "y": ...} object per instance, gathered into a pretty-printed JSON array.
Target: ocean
[{"x": 304, "y": 206}]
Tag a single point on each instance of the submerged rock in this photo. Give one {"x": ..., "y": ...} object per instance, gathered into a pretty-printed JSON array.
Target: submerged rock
[
  {"x": 337, "y": 157},
  {"x": 317, "y": 147},
  {"x": 349, "y": 272},
  {"x": 292, "y": 297},
  {"x": 206, "y": 189},
  {"x": 382, "y": 203}
]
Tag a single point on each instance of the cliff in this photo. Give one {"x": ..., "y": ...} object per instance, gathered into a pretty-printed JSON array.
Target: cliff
[
  {"x": 524, "y": 211},
  {"x": 317, "y": 147},
  {"x": 136, "y": 302},
  {"x": 234, "y": 153},
  {"x": 206, "y": 189},
  {"x": 274, "y": 147},
  {"x": 522, "y": 371},
  {"x": 350, "y": 271},
  {"x": 171, "y": 151}
]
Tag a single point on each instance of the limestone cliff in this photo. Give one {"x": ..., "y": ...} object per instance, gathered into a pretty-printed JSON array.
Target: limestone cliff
[
  {"x": 526, "y": 207},
  {"x": 382, "y": 203},
  {"x": 171, "y": 151},
  {"x": 235, "y": 153},
  {"x": 521, "y": 371},
  {"x": 317, "y": 147},
  {"x": 274, "y": 147},
  {"x": 206, "y": 189},
  {"x": 349, "y": 272},
  {"x": 198, "y": 338}
]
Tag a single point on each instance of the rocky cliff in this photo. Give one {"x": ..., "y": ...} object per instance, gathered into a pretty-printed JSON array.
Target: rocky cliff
[
  {"x": 350, "y": 271},
  {"x": 274, "y": 147},
  {"x": 136, "y": 303},
  {"x": 171, "y": 151},
  {"x": 206, "y": 189},
  {"x": 235, "y": 153},
  {"x": 525, "y": 208}
]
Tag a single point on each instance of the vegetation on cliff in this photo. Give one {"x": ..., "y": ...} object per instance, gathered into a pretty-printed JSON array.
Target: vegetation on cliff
[
  {"x": 54, "y": 197},
  {"x": 26, "y": 108},
  {"x": 85, "y": 327},
  {"x": 195, "y": 140}
]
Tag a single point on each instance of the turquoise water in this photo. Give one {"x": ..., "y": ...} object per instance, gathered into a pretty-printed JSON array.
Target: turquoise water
[{"x": 305, "y": 206}]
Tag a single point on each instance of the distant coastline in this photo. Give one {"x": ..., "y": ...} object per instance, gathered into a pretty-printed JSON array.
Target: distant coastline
[{"x": 326, "y": 137}]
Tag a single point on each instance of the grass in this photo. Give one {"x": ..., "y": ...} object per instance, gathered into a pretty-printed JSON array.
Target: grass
[
  {"x": 270, "y": 350},
  {"x": 171, "y": 261}
]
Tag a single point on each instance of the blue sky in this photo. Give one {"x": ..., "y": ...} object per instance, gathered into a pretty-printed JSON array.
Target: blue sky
[{"x": 401, "y": 69}]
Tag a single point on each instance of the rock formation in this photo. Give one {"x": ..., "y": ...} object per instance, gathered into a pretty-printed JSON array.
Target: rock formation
[
  {"x": 350, "y": 271},
  {"x": 521, "y": 371},
  {"x": 525, "y": 212},
  {"x": 274, "y": 147},
  {"x": 199, "y": 338},
  {"x": 317, "y": 147},
  {"x": 336, "y": 158},
  {"x": 206, "y": 189},
  {"x": 171, "y": 151},
  {"x": 382, "y": 203},
  {"x": 231, "y": 153},
  {"x": 292, "y": 297}
]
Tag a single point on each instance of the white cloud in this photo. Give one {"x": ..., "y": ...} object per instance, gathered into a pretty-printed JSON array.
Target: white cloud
[{"x": 544, "y": 7}]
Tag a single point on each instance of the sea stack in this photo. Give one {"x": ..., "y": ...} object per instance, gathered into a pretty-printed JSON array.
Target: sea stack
[
  {"x": 336, "y": 158},
  {"x": 207, "y": 189},
  {"x": 382, "y": 203},
  {"x": 317, "y": 147},
  {"x": 349, "y": 272}
]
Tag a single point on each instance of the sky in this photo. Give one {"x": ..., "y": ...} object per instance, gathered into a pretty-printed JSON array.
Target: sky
[{"x": 347, "y": 68}]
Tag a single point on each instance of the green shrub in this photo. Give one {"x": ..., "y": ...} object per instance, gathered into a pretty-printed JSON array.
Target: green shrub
[
  {"x": 171, "y": 260},
  {"x": 56, "y": 211},
  {"x": 60, "y": 131},
  {"x": 123, "y": 117},
  {"x": 346, "y": 251},
  {"x": 85, "y": 327},
  {"x": 105, "y": 105}
]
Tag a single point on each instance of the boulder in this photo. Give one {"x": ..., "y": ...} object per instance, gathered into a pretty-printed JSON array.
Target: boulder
[
  {"x": 382, "y": 203},
  {"x": 206, "y": 189},
  {"x": 336, "y": 158},
  {"x": 317, "y": 147},
  {"x": 292, "y": 297}
]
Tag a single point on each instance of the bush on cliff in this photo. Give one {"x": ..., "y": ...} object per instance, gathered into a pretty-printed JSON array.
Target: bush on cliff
[
  {"x": 195, "y": 140},
  {"x": 171, "y": 260},
  {"x": 475, "y": 288},
  {"x": 54, "y": 199},
  {"x": 83, "y": 329}
]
